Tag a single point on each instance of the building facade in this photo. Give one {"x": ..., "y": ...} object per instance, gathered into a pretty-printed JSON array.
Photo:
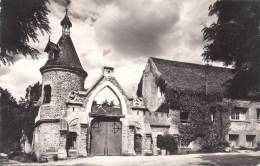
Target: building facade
[
  {"x": 245, "y": 125},
  {"x": 103, "y": 120}
]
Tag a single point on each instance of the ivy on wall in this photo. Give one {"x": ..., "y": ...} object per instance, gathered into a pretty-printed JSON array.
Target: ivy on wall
[{"x": 208, "y": 116}]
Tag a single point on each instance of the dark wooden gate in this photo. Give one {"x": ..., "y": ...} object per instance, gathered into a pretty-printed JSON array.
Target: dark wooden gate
[{"x": 106, "y": 137}]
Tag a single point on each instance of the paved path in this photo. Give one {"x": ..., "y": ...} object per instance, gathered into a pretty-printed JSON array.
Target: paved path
[{"x": 222, "y": 159}]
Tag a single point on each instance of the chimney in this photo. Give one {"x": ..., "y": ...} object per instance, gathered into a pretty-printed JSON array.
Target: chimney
[{"x": 108, "y": 71}]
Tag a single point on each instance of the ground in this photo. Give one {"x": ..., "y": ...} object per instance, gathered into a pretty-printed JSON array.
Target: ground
[{"x": 214, "y": 159}]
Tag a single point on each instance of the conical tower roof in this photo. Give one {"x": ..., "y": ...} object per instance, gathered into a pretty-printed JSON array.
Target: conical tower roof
[{"x": 63, "y": 55}]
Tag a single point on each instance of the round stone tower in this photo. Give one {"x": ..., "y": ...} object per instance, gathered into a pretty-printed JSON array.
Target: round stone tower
[{"x": 62, "y": 74}]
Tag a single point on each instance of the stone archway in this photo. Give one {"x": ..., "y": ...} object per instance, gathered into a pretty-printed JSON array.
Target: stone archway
[
  {"x": 116, "y": 91},
  {"x": 106, "y": 123}
]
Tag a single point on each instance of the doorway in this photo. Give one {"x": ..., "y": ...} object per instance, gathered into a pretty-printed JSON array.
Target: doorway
[{"x": 106, "y": 136}]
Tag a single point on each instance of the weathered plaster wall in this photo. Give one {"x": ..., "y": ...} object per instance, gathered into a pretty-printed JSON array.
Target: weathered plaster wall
[
  {"x": 153, "y": 97},
  {"x": 249, "y": 126}
]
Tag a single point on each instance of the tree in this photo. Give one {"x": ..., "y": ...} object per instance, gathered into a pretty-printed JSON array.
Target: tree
[
  {"x": 20, "y": 22},
  {"x": 234, "y": 39},
  {"x": 29, "y": 108},
  {"x": 111, "y": 104},
  {"x": 168, "y": 142},
  {"x": 105, "y": 103},
  {"x": 10, "y": 127},
  {"x": 18, "y": 116}
]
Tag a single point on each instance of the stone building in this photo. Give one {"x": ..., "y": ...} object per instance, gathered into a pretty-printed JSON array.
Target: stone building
[
  {"x": 101, "y": 120},
  {"x": 245, "y": 117}
]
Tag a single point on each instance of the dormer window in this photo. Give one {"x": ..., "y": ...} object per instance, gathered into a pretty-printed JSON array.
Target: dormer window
[{"x": 47, "y": 94}]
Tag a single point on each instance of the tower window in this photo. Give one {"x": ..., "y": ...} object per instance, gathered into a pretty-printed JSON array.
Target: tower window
[
  {"x": 184, "y": 117},
  {"x": 47, "y": 94}
]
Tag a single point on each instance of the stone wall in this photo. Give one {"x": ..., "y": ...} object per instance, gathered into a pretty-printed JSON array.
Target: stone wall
[
  {"x": 130, "y": 136},
  {"x": 48, "y": 138},
  {"x": 124, "y": 147},
  {"x": 82, "y": 141},
  {"x": 62, "y": 83},
  {"x": 147, "y": 148},
  {"x": 157, "y": 118}
]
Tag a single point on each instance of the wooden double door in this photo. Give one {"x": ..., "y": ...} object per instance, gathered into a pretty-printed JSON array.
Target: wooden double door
[{"x": 106, "y": 136}]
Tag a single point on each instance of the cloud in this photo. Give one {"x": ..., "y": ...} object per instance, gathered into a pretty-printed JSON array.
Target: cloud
[
  {"x": 62, "y": 2},
  {"x": 121, "y": 34},
  {"x": 134, "y": 30},
  {"x": 4, "y": 70},
  {"x": 23, "y": 73}
]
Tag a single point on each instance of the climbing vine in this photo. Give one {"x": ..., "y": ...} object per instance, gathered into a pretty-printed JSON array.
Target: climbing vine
[{"x": 208, "y": 116}]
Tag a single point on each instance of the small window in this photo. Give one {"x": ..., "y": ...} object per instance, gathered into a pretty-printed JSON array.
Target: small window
[
  {"x": 184, "y": 117},
  {"x": 250, "y": 140},
  {"x": 258, "y": 114},
  {"x": 213, "y": 116},
  {"x": 235, "y": 115},
  {"x": 233, "y": 139},
  {"x": 47, "y": 94},
  {"x": 239, "y": 113}
]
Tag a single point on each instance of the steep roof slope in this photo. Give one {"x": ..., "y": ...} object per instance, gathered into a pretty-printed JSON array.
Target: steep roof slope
[
  {"x": 193, "y": 77},
  {"x": 63, "y": 54},
  {"x": 67, "y": 56}
]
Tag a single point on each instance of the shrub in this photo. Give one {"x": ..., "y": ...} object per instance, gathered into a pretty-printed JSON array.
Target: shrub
[
  {"x": 22, "y": 157},
  {"x": 168, "y": 142}
]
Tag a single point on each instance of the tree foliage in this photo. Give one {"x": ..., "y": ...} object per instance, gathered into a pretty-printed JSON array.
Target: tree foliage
[
  {"x": 168, "y": 142},
  {"x": 30, "y": 108},
  {"x": 10, "y": 127},
  {"x": 18, "y": 115},
  {"x": 234, "y": 40},
  {"x": 21, "y": 21}
]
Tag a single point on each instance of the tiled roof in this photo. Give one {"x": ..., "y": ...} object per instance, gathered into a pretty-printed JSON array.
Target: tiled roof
[
  {"x": 188, "y": 76},
  {"x": 67, "y": 56}
]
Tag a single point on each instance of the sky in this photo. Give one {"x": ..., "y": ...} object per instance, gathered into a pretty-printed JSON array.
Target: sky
[{"x": 119, "y": 33}]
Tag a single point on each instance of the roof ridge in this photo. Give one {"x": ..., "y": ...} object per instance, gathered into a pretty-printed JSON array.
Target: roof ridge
[
  {"x": 191, "y": 64},
  {"x": 195, "y": 77}
]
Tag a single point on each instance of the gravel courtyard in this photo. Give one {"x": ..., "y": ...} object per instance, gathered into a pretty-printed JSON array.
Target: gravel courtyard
[{"x": 223, "y": 159}]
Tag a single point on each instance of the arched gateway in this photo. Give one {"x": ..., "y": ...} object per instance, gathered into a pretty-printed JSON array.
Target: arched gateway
[
  {"x": 107, "y": 107},
  {"x": 102, "y": 120}
]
